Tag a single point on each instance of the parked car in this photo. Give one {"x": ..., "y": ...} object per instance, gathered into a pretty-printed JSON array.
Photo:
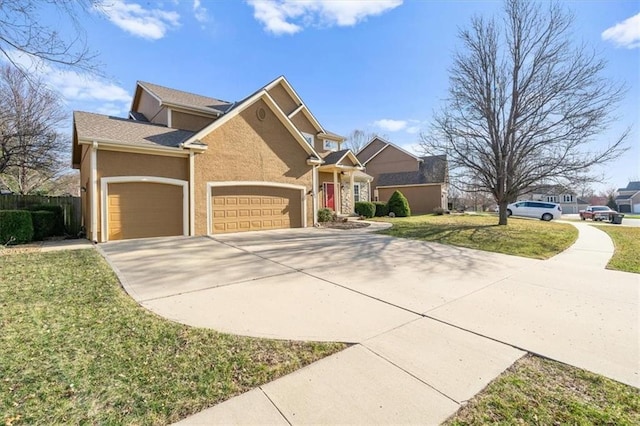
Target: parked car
[
  {"x": 537, "y": 209},
  {"x": 597, "y": 213}
]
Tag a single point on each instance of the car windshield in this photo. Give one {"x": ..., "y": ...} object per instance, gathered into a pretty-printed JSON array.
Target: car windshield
[{"x": 600, "y": 209}]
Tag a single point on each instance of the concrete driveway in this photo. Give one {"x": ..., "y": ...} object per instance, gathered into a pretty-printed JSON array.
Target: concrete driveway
[{"x": 434, "y": 324}]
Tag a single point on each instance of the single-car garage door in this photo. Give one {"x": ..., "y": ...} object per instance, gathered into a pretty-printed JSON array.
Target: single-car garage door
[
  {"x": 143, "y": 209},
  {"x": 254, "y": 208}
]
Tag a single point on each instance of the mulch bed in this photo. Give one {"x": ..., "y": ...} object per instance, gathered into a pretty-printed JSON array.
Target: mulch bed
[{"x": 344, "y": 225}]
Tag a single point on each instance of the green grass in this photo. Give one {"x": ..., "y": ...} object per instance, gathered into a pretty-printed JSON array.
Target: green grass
[
  {"x": 535, "y": 391},
  {"x": 627, "y": 243},
  {"x": 521, "y": 237},
  {"x": 631, "y": 216},
  {"x": 75, "y": 349}
]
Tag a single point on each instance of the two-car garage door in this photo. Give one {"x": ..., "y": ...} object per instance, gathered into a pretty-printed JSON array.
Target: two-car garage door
[{"x": 253, "y": 208}]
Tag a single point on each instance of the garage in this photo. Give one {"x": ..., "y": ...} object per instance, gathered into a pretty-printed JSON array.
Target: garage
[
  {"x": 239, "y": 208},
  {"x": 144, "y": 209}
]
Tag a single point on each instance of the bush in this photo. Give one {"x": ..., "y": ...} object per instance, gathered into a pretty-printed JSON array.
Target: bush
[
  {"x": 15, "y": 226},
  {"x": 58, "y": 221},
  {"x": 365, "y": 208},
  {"x": 398, "y": 205},
  {"x": 44, "y": 223},
  {"x": 325, "y": 215},
  {"x": 381, "y": 209}
]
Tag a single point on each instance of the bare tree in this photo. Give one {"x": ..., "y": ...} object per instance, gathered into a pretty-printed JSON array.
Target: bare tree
[
  {"x": 32, "y": 150},
  {"x": 22, "y": 30},
  {"x": 524, "y": 104},
  {"x": 358, "y": 139}
]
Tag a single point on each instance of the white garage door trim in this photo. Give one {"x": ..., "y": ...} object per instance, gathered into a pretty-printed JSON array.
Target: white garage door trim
[
  {"x": 104, "y": 194},
  {"x": 211, "y": 185}
]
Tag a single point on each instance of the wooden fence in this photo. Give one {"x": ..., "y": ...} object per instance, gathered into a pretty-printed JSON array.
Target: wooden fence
[{"x": 71, "y": 207}]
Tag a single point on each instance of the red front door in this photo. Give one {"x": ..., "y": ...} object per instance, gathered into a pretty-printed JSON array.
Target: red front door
[{"x": 328, "y": 196}]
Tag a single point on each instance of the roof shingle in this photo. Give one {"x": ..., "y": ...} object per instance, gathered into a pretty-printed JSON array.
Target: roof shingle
[
  {"x": 179, "y": 97},
  {"x": 103, "y": 127},
  {"x": 432, "y": 169}
]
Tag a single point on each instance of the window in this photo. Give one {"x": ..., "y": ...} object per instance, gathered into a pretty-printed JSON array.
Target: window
[
  {"x": 330, "y": 145},
  {"x": 356, "y": 192},
  {"x": 552, "y": 198},
  {"x": 567, "y": 198},
  {"x": 308, "y": 137}
]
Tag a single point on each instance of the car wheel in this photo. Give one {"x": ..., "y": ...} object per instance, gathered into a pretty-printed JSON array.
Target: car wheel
[
  {"x": 583, "y": 218},
  {"x": 508, "y": 212},
  {"x": 547, "y": 217}
]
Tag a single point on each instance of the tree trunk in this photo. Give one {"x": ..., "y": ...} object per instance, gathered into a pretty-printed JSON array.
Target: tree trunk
[{"x": 502, "y": 213}]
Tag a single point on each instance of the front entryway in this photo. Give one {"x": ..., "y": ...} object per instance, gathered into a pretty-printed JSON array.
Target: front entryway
[{"x": 329, "y": 196}]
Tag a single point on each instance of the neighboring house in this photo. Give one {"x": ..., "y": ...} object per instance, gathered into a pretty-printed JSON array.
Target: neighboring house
[
  {"x": 628, "y": 199},
  {"x": 185, "y": 164},
  {"x": 568, "y": 200},
  {"x": 422, "y": 180}
]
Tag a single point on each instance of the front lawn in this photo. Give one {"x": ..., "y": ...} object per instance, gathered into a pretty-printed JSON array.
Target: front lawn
[
  {"x": 75, "y": 349},
  {"x": 521, "y": 237},
  {"x": 627, "y": 243},
  {"x": 535, "y": 391}
]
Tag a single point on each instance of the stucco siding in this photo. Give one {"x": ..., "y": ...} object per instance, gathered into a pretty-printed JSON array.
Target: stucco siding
[
  {"x": 371, "y": 149},
  {"x": 390, "y": 160},
  {"x": 249, "y": 149},
  {"x": 150, "y": 107},
  {"x": 112, "y": 163},
  {"x": 85, "y": 181},
  {"x": 184, "y": 121},
  {"x": 282, "y": 98},
  {"x": 422, "y": 199}
]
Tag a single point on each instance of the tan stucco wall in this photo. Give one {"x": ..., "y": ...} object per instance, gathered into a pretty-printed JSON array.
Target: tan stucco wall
[
  {"x": 371, "y": 149},
  {"x": 390, "y": 160},
  {"x": 184, "y": 121},
  {"x": 113, "y": 163},
  {"x": 422, "y": 199},
  {"x": 282, "y": 98},
  {"x": 150, "y": 107},
  {"x": 247, "y": 149}
]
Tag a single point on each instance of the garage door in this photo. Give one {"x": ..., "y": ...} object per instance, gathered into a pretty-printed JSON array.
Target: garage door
[
  {"x": 142, "y": 209},
  {"x": 254, "y": 208}
]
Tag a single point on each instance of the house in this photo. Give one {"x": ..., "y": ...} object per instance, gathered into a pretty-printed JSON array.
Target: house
[
  {"x": 628, "y": 199},
  {"x": 422, "y": 180},
  {"x": 187, "y": 164},
  {"x": 568, "y": 199}
]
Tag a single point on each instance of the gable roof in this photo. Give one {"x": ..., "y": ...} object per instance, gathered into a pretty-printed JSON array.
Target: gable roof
[
  {"x": 387, "y": 145},
  {"x": 187, "y": 100},
  {"x": 244, "y": 104},
  {"x": 290, "y": 90},
  {"x": 337, "y": 156},
  {"x": 433, "y": 169},
  {"x": 632, "y": 186}
]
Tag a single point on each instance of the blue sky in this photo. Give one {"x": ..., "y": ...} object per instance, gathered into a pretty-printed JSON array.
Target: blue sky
[{"x": 380, "y": 66}]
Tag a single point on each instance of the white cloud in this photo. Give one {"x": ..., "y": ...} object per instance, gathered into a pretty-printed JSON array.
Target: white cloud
[
  {"x": 200, "y": 12},
  {"x": 390, "y": 125},
  {"x": 625, "y": 33},
  {"x": 151, "y": 24},
  {"x": 277, "y": 15}
]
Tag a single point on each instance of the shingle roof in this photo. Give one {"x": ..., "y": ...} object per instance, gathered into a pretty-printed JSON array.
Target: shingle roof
[
  {"x": 582, "y": 201},
  {"x": 623, "y": 197},
  {"x": 432, "y": 170},
  {"x": 103, "y": 127},
  {"x": 178, "y": 97},
  {"x": 632, "y": 186},
  {"x": 335, "y": 156}
]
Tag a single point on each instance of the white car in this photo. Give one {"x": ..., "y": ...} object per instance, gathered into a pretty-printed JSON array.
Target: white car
[{"x": 537, "y": 209}]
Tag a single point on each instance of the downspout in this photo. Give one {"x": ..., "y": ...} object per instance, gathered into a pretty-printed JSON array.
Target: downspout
[
  {"x": 192, "y": 191},
  {"x": 93, "y": 164}
]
